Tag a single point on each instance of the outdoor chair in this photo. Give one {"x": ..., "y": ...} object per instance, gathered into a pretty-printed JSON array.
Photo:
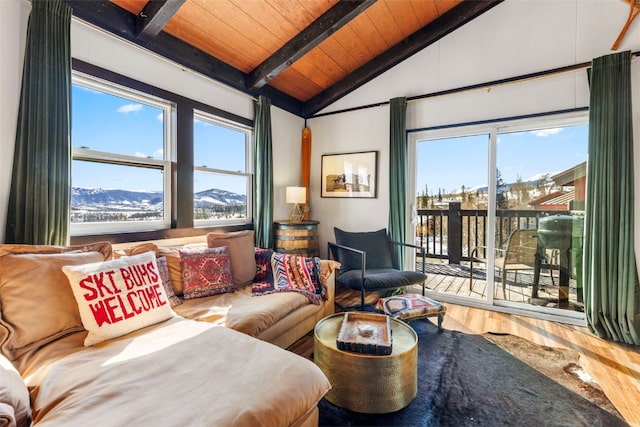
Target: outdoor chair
[
  {"x": 521, "y": 253},
  {"x": 368, "y": 263}
]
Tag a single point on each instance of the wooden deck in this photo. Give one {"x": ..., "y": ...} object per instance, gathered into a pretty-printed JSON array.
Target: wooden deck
[{"x": 454, "y": 279}]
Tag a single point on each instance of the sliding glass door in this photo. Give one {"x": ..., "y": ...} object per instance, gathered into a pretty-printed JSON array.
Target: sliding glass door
[
  {"x": 500, "y": 210},
  {"x": 540, "y": 202},
  {"x": 452, "y": 201}
]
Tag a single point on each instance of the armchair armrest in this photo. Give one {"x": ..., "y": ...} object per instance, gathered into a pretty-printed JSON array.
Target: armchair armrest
[
  {"x": 363, "y": 255},
  {"x": 409, "y": 245}
]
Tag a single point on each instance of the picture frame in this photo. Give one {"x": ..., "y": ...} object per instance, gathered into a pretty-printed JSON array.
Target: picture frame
[{"x": 350, "y": 175}]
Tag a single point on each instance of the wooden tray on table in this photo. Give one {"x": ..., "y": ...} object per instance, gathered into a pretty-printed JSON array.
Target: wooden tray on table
[{"x": 365, "y": 333}]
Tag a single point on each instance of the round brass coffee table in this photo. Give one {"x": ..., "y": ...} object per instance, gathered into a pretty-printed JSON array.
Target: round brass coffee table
[{"x": 368, "y": 383}]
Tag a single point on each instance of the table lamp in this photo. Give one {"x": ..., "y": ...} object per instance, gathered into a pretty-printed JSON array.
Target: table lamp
[{"x": 297, "y": 196}]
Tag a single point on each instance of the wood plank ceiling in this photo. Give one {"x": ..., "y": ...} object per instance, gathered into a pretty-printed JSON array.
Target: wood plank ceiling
[{"x": 303, "y": 54}]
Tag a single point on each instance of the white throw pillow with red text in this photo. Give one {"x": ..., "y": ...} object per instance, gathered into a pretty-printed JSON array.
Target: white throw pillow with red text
[{"x": 119, "y": 296}]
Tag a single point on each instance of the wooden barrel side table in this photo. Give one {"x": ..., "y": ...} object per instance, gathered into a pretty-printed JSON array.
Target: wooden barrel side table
[
  {"x": 366, "y": 383},
  {"x": 297, "y": 238}
]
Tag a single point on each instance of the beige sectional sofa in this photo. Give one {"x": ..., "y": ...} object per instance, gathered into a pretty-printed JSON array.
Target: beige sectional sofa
[{"x": 213, "y": 361}]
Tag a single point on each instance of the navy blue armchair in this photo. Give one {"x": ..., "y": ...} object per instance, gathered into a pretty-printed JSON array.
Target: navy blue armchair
[{"x": 368, "y": 262}]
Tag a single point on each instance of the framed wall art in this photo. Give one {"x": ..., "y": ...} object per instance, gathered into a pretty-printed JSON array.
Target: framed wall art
[{"x": 350, "y": 175}]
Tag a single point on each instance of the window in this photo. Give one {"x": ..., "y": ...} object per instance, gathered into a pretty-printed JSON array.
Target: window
[
  {"x": 221, "y": 175},
  {"x": 121, "y": 168}
]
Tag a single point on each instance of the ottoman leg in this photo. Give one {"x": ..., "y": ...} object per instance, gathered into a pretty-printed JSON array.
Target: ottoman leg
[{"x": 440, "y": 319}]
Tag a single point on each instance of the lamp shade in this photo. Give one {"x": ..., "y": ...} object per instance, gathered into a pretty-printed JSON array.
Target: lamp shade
[{"x": 296, "y": 195}]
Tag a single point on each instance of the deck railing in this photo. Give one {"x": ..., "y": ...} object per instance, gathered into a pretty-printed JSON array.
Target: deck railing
[{"x": 453, "y": 233}]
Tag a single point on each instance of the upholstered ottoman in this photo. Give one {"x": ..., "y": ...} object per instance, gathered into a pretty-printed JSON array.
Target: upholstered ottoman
[{"x": 407, "y": 307}]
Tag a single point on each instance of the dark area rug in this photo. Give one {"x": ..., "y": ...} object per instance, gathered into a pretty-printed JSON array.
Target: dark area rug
[{"x": 471, "y": 380}]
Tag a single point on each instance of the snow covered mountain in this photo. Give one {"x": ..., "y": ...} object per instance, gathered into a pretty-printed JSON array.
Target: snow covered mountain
[{"x": 113, "y": 200}]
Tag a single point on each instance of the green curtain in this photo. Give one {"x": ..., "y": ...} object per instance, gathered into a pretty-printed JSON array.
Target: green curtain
[
  {"x": 263, "y": 173},
  {"x": 397, "y": 174},
  {"x": 39, "y": 199},
  {"x": 611, "y": 291}
]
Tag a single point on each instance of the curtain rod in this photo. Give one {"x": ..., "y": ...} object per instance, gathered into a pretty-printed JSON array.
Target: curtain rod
[{"x": 499, "y": 82}]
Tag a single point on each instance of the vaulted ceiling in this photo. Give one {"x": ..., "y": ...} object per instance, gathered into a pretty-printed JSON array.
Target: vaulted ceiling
[{"x": 303, "y": 54}]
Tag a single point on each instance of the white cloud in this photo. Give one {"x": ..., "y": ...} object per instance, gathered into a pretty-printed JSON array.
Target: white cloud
[
  {"x": 159, "y": 153},
  {"x": 160, "y": 117},
  {"x": 139, "y": 154},
  {"x": 543, "y": 133},
  {"x": 129, "y": 108}
]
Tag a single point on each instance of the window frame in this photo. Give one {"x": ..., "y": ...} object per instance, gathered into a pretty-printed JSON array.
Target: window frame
[
  {"x": 111, "y": 158},
  {"x": 181, "y": 220},
  {"x": 248, "y": 167}
]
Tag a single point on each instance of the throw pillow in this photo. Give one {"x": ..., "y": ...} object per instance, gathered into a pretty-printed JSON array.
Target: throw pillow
[
  {"x": 119, "y": 296},
  {"x": 297, "y": 274},
  {"x": 264, "y": 273},
  {"x": 205, "y": 272},
  {"x": 163, "y": 269},
  {"x": 38, "y": 307},
  {"x": 375, "y": 243},
  {"x": 241, "y": 250},
  {"x": 175, "y": 269}
]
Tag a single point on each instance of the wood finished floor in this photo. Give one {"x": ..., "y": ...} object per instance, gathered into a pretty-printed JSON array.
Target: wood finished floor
[{"x": 615, "y": 367}]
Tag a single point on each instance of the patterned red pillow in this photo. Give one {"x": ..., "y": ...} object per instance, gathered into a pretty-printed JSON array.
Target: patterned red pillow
[{"x": 205, "y": 272}]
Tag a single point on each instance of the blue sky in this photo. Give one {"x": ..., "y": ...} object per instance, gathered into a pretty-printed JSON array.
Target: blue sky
[
  {"x": 110, "y": 123},
  {"x": 451, "y": 163}
]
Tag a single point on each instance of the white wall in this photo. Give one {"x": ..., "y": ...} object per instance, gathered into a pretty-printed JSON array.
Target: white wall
[
  {"x": 514, "y": 38},
  {"x": 286, "y": 132},
  {"x": 13, "y": 32},
  {"x": 364, "y": 130}
]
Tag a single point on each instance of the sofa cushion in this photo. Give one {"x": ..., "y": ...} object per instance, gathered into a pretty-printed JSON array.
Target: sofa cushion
[
  {"x": 36, "y": 302},
  {"x": 205, "y": 272},
  {"x": 15, "y": 407},
  {"x": 178, "y": 373},
  {"x": 242, "y": 311},
  {"x": 375, "y": 243},
  {"x": 242, "y": 252},
  {"x": 137, "y": 250},
  {"x": 118, "y": 296}
]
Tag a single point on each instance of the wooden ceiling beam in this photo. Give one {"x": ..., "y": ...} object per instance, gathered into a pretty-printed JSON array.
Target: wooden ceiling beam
[
  {"x": 117, "y": 21},
  {"x": 155, "y": 15},
  {"x": 332, "y": 20},
  {"x": 427, "y": 35}
]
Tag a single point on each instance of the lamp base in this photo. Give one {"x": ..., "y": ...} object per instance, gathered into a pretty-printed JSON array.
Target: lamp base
[{"x": 295, "y": 215}]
